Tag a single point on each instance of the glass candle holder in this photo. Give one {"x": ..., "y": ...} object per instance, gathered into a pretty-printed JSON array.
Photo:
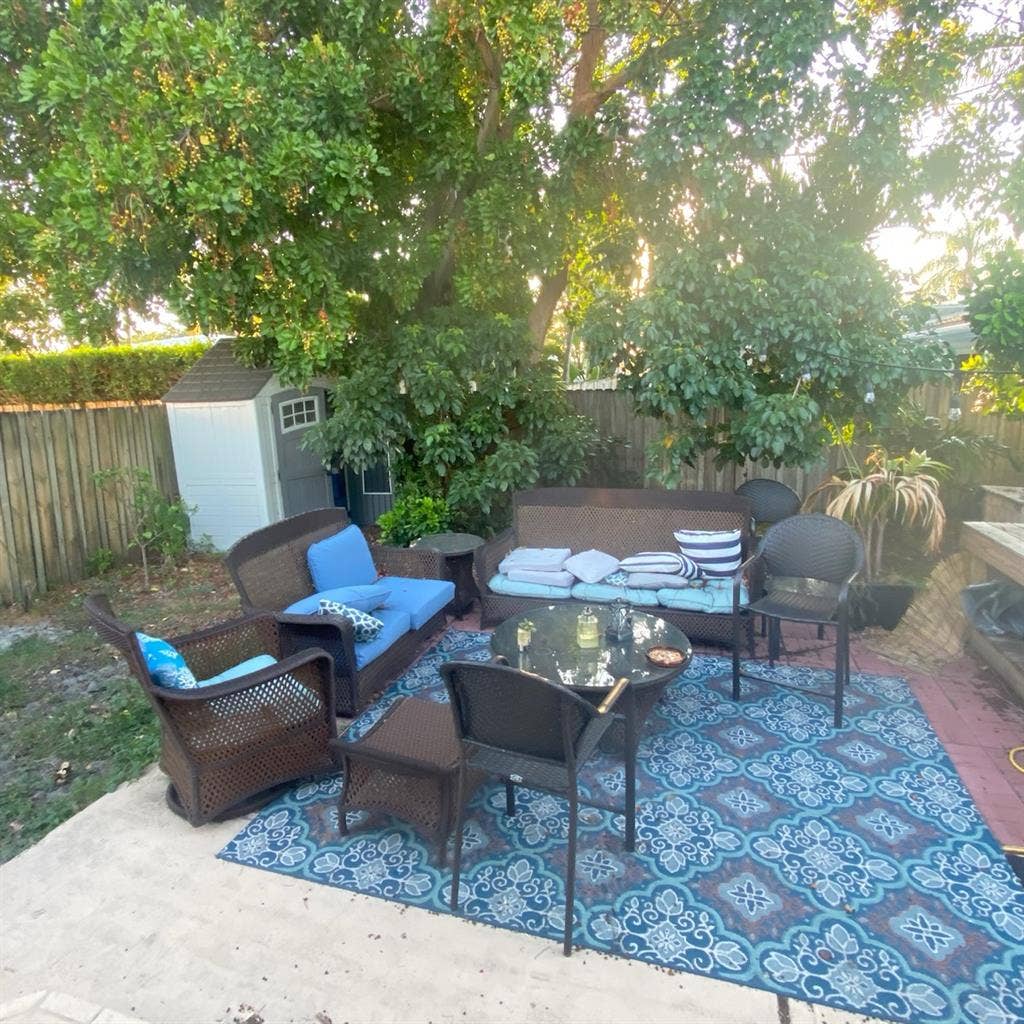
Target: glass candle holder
[{"x": 586, "y": 628}]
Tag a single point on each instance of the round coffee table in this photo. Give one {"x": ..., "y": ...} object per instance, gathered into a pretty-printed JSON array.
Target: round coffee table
[{"x": 554, "y": 653}]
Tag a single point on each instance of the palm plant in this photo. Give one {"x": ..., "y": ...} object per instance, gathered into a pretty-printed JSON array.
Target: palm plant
[{"x": 885, "y": 488}]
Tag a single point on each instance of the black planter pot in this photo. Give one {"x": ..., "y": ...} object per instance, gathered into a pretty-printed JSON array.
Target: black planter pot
[{"x": 879, "y": 604}]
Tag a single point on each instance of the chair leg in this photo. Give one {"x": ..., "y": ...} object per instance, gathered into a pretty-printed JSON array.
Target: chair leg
[
  {"x": 570, "y": 874},
  {"x": 510, "y": 798},
  {"x": 821, "y": 632},
  {"x": 460, "y": 813},
  {"x": 735, "y": 657},
  {"x": 764, "y": 625},
  {"x": 842, "y": 671},
  {"x": 774, "y": 641}
]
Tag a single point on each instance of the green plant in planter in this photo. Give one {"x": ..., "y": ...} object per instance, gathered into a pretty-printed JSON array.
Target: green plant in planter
[
  {"x": 885, "y": 489},
  {"x": 413, "y": 516}
]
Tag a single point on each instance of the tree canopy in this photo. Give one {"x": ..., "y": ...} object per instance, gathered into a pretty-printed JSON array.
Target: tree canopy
[{"x": 413, "y": 195}]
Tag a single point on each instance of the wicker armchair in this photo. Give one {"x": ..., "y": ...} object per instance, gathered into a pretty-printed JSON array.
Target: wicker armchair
[
  {"x": 270, "y": 571},
  {"x": 808, "y": 562},
  {"x": 770, "y": 500},
  {"x": 528, "y": 731},
  {"x": 230, "y": 746}
]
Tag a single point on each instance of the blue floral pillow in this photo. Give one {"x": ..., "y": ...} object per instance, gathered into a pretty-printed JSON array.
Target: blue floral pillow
[
  {"x": 367, "y": 627},
  {"x": 617, "y": 578},
  {"x": 166, "y": 665}
]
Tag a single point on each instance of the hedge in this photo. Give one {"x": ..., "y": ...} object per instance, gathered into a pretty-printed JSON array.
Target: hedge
[{"x": 116, "y": 373}]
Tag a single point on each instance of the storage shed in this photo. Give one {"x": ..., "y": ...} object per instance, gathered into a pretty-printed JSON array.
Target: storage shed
[{"x": 236, "y": 433}]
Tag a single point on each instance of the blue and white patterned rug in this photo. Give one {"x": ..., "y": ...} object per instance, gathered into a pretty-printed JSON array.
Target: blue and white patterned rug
[{"x": 846, "y": 867}]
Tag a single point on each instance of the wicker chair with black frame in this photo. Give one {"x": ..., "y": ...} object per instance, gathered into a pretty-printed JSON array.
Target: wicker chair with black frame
[
  {"x": 808, "y": 563},
  {"x": 771, "y": 501},
  {"x": 528, "y": 731},
  {"x": 228, "y": 747}
]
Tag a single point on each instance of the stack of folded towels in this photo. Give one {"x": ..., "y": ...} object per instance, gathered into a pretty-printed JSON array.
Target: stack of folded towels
[{"x": 538, "y": 565}]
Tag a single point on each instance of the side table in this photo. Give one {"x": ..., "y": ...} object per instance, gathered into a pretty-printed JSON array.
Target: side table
[
  {"x": 457, "y": 549},
  {"x": 406, "y": 765}
]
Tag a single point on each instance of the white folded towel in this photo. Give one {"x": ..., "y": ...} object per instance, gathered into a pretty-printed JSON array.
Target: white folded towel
[
  {"x": 535, "y": 559},
  {"x": 552, "y": 579}
]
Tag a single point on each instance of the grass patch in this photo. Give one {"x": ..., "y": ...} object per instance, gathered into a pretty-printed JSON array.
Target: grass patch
[{"x": 66, "y": 699}]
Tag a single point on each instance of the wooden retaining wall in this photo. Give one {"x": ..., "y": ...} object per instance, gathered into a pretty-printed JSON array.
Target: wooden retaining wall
[
  {"x": 52, "y": 515},
  {"x": 625, "y": 464}
]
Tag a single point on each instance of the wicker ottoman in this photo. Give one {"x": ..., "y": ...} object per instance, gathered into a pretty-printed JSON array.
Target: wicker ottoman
[{"x": 407, "y": 766}]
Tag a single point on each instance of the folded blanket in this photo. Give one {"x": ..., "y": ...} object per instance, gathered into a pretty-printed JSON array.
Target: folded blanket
[
  {"x": 536, "y": 559},
  {"x": 551, "y": 579}
]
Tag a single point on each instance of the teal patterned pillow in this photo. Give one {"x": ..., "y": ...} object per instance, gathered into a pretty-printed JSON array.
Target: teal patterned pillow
[
  {"x": 166, "y": 665},
  {"x": 367, "y": 627}
]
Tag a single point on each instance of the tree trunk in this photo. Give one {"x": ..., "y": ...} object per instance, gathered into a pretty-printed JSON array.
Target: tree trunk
[{"x": 544, "y": 307}]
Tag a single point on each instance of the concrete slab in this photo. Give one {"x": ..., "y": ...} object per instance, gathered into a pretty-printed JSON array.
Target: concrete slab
[{"x": 127, "y": 907}]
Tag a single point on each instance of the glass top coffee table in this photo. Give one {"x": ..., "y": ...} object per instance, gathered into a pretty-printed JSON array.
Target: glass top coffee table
[{"x": 554, "y": 653}]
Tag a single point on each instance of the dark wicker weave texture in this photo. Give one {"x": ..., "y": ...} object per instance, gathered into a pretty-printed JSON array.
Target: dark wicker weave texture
[
  {"x": 771, "y": 501},
  {"x": 270, "y": 570},
  {"x": 809, "y": 562},
  {"x": 528, "y": 731},
  {"x": 227, "y": 747},
  {"x": 621, "y": 522},
  {"x": 407, "y": 766}
]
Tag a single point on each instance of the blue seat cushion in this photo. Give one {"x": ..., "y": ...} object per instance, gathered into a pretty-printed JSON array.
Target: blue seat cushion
[
  {"x": 362, "y": 598},
  {"x": 166, "y": 663},
  {"x": 501, "y": 584},
  {"x": 602, "y": 592},
  {"x": 341, "y": 560},
  {"x": 243, "y": 668},
  {"x": 714, "y": 596},
  {"x": 396, "y": 624},
  {"x": 422, "y": 599}
]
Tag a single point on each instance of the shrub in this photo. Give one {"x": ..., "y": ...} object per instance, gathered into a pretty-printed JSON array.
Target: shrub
[
  {"x": 115, "y": 373},
  {"x": 412, "y": 517},
  {"x": 156, "y": 524}
]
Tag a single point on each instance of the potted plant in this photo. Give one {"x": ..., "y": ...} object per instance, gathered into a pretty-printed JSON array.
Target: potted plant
[{"x": 885, "y": 489}]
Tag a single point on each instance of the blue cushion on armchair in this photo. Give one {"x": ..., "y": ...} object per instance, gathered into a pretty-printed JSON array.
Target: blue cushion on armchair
[
  {"x": 422, "y": 599},
  {"x": 243, "y": 668},
  {"x": 165, "y": 663},
  {"x": 341, "y": 560}
]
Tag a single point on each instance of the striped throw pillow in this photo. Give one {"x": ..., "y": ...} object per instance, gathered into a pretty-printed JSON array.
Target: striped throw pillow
[
  {"x": 663, "y": 562},
  {"x": 716, "y": 552}
]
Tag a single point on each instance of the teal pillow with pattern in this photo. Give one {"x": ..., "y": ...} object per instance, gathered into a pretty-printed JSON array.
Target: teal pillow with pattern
[
  {"x": 367, "y": 627},
  {"x": 165, "y": 663}
]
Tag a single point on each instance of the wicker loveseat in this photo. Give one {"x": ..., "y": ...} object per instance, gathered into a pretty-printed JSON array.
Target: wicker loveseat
[
  {"x": 270, "y": 570},
  {"x": 622, "y": 523}
]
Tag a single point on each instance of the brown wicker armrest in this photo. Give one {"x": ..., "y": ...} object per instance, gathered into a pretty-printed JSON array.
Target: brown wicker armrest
[
  {"x": 752, "y": 571},
  {"x": 415, "y": 563},
  {"x": 227, "y": 720},
  {"x": 487, "y": 557}
]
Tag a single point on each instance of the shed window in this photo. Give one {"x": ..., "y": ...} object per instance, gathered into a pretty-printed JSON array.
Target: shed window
[
  {"x": 299, "y": 412},
  {"x": 377, "y": 479}
]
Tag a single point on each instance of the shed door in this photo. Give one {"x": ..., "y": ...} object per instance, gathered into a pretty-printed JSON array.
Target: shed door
[{"x": 305, "y": 484}]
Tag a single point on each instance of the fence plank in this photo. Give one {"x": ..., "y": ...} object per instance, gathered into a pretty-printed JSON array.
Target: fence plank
[
  {"x": 52, "y": 514},
  {"x": 627, "y": 464}
]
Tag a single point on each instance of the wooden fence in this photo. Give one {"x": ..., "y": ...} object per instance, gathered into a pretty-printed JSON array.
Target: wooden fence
[
  {"x": 626, "y": 463},
  {"x": 53, "y": 517}
]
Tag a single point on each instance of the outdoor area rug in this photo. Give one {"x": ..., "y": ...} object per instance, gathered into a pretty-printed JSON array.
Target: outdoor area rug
[{"x": 847, "y": 867}]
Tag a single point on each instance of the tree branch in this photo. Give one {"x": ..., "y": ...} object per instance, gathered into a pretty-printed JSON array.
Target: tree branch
[{"x": 493, "y": 64}]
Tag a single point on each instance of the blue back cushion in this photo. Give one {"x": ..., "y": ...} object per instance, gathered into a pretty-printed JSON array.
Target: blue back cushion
[
  {"x": 165, "y": 663},
  {"x": 366, "y": 599},
  {"x": 342, "y": 560}
]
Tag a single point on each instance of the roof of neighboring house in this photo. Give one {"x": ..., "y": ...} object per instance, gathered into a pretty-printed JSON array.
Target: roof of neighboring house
[
  {"x": 218, "y": 377},
  {"x": 949, "y": 324}
]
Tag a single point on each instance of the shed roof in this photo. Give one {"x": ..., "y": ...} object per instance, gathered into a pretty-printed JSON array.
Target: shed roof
[{"x": 218, "y": 377}]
